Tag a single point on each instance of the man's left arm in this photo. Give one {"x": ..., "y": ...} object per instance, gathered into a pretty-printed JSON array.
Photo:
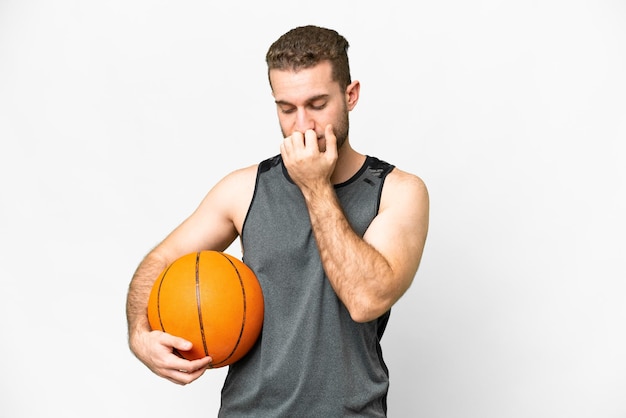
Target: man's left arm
[{"x": 370, "y": 274}]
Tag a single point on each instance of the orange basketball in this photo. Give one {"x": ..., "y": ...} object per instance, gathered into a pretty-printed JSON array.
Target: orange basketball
[{"x": 213, "y": 300}]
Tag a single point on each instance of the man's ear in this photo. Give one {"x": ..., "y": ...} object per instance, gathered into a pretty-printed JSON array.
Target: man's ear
[{"x": 352, "y": 94}]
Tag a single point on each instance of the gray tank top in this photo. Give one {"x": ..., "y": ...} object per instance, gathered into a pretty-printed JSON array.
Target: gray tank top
[{"x": 312, "y": 359}]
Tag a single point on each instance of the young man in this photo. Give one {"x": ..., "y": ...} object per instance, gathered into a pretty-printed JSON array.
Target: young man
[{"x": 334, "y": 236}]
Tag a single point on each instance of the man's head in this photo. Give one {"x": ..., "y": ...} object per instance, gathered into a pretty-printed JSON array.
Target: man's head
[
  {"x": 310, "y": 79},
  {"x": 307, "y": 46}
]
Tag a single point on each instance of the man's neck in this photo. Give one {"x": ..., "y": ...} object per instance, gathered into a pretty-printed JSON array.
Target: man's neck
[{"x": 349, "y": 162}]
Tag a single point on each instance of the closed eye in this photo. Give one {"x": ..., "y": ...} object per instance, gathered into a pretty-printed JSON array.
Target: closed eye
[
  {"x": 286, "y": 109},
  {"x": 316, "y": 106},
  {"x": 315, "y": 103}
]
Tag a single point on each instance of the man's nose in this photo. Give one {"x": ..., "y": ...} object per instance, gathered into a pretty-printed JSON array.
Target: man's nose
[{"x": 304, "y": 121}]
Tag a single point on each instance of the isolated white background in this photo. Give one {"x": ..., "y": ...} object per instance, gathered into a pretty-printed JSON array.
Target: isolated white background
[{"x": 117, "y": 116}]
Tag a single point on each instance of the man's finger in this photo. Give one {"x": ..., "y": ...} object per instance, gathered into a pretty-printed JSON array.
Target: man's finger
[
  {"x": 310, "y": 139},
  {"x": 331, "y": 139}
]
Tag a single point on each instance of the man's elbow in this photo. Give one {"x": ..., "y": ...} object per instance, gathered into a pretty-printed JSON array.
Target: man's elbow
[{"x": 369, "y": 309}]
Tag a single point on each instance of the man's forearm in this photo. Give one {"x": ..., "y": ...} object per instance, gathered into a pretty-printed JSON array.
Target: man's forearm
[
  {"x": 139, "y": 292},
  {"x": 356, "y": 270}
]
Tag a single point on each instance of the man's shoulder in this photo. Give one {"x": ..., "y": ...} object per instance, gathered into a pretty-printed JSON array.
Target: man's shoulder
[
  {"x": 242, "y": 174},
  {"x": 400, "y": 181},
  {"x": 247, "y": 176},
  {"x": 394, "y": 174}
]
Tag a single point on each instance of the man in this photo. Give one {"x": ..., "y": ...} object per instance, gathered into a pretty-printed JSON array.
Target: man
[{"x": 334, "y": 236}]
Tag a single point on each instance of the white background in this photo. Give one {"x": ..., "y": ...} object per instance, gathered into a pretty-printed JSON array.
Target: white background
[{"x": 117, "y": 116}]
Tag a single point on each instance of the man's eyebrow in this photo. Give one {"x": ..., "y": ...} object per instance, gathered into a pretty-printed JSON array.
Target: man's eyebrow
[{"x": 308, "y": 101}]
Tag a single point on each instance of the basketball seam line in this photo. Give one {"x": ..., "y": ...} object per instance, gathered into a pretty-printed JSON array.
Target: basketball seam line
[
  {"x": 159, "y": 299},
  {"x": 175, "y": 351},
  {"x": 199, "y": 304},
  {"x": 243, "y": 321}
]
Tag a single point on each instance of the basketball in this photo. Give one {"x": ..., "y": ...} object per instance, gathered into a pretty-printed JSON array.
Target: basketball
[{"x": 211, "y": 299}]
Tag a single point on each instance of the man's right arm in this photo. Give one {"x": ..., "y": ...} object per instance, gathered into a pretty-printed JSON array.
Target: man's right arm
[
  {"x": 155, "y": 348},
  {"x": 214, "y": 225}
]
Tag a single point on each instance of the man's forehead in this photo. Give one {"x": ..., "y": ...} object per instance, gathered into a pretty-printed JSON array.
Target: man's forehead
[{"x": 302, "y": 84}]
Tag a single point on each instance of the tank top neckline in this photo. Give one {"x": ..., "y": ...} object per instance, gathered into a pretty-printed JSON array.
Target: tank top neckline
[{"x": 352, "y": 179}]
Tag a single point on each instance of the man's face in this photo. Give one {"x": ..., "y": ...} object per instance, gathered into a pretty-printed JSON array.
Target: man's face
[{"x": 310, "y": 99}]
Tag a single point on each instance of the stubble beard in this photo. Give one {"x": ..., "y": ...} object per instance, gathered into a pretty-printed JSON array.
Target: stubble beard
[{"x": 341, "y": 129}]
